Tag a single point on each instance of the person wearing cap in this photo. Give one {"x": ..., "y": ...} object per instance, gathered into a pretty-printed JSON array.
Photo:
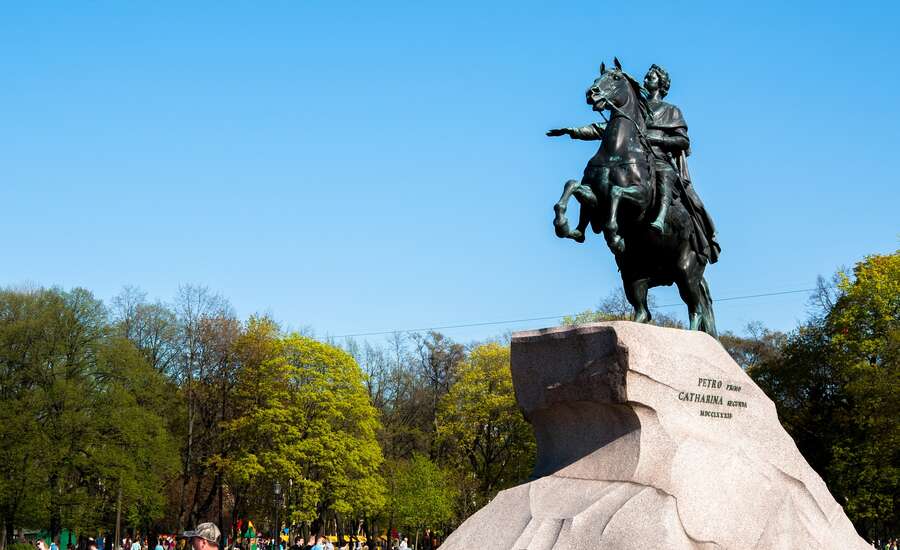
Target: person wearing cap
[{"x": 204, "y": 537}]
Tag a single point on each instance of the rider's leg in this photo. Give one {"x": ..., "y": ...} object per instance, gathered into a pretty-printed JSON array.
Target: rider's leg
[{"x": 665, "y": 177}]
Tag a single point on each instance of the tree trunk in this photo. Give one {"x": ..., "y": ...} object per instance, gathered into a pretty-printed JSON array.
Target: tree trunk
[
  {"x": 189, "y": 454},
  {"x": 339, "y": 527},
  {"x": 317, "y": 528},
  {"x": 367, "y": 531},
  {"x": 55, "y": 511},
  {"x": 234, "y": 516},
  {"x": 118, "y": 540},
  {"x": 225, "y": 532}
]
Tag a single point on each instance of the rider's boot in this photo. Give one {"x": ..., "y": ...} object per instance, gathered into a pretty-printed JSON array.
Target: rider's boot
[{"x": 664, "y": 200}]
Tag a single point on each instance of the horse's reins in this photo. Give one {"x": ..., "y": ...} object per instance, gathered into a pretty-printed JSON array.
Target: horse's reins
[
  {"x": 641, "y": 135},
  {"x": 645, "y": 142}
]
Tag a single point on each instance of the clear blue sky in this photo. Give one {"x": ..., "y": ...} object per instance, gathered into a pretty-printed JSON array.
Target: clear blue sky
[{"x": 364, "y": 166}]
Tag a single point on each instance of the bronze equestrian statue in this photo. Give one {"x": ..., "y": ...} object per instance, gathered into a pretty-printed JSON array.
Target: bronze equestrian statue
[{"x": 637, "y": 190}]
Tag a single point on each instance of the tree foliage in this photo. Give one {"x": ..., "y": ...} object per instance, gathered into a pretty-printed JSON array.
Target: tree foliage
[
  {"x": 759, "y": 345},
  {"x": 835, "y": 384},
  {"x": 487, "y": 440},
  {"x": 422, "y": 495},
  {"x": 83, "y": 408},
  {"x": 194, "y": 414},
  {"x": 304, "y": 418}
]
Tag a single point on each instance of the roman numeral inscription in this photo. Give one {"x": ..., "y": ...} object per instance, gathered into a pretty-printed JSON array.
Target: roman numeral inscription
[{"x": 711, "y": 392}]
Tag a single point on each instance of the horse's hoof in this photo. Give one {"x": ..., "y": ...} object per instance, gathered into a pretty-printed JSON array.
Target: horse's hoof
[
  {"x": 576, "y": 236},
  {"x": 658, "y": 227}
]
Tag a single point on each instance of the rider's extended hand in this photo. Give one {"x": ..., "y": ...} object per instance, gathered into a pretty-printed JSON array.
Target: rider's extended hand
[{"x": 558, "y": 132}]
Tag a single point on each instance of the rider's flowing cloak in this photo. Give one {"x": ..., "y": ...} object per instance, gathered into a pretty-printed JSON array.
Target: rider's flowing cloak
[{"x": 668, "y": 119}]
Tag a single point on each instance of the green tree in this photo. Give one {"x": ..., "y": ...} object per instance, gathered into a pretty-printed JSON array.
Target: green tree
[
  {"x": 759, "y": 345},
  {"x": 63, "y": 365},
  {"x": 486, "y": 440},
  {"x": 864, "y": 330},
  {"x": 421, "y": 496},
  {"x": 86, "y": 406},
  {"x": 304, "y": 416},
  {"x": 23, "y": 464},
  {"x": 835, "y": 382},
  {"x": 135, "y": 450}
]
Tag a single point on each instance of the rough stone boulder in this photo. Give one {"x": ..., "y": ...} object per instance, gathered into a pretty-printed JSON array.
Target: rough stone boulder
[{"x": 652, "y": 438}]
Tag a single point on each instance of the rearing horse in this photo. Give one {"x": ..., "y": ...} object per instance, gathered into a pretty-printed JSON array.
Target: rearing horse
[{"x": 618, "y": 197}]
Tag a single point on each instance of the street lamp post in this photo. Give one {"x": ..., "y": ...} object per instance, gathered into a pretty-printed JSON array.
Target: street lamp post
[
  {"x": 287, "y": 508},
  {"x": 277, "y": 509}
]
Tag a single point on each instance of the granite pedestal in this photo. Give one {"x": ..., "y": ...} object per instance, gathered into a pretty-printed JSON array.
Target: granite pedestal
[{"x": 652, "y": 438}]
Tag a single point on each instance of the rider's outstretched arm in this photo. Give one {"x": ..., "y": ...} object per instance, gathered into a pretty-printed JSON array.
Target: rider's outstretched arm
[{"x": 590, "y": 132}]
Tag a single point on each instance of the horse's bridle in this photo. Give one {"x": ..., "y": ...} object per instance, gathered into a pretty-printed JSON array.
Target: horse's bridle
[{"x": 641, "y": 135}]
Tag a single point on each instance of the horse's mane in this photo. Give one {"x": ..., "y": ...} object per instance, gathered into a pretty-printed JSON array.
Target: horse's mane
[{"x": 641, "y": 94}]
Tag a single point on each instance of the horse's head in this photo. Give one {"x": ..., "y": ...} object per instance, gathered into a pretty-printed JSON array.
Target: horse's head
[{"x": 612, "y": 89}]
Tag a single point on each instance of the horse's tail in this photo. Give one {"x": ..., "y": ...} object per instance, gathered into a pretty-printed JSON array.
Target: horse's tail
[{"x": 709, "y": 317}]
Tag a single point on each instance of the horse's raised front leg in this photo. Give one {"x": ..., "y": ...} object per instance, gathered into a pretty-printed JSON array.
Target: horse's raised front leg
[
  {"x": 588, "y": 202},
  {"x": 588, "y": 205}
]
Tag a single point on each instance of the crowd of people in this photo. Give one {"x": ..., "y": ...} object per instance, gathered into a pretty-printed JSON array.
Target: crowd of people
[
  {"x": 165, "y": 542},
  {"x": 314, "y": 542},
  {"x": 210, "y": 536},
  {"x": 207, "y": 536},
  {"x": 318, "y": 542}
]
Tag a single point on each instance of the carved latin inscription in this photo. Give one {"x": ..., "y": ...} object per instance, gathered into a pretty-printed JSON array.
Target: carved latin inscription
[{"x": 715, "y": 398}]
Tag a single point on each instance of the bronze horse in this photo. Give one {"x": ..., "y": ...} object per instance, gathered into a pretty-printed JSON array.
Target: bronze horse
[{"x": 618, "y": 197}]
